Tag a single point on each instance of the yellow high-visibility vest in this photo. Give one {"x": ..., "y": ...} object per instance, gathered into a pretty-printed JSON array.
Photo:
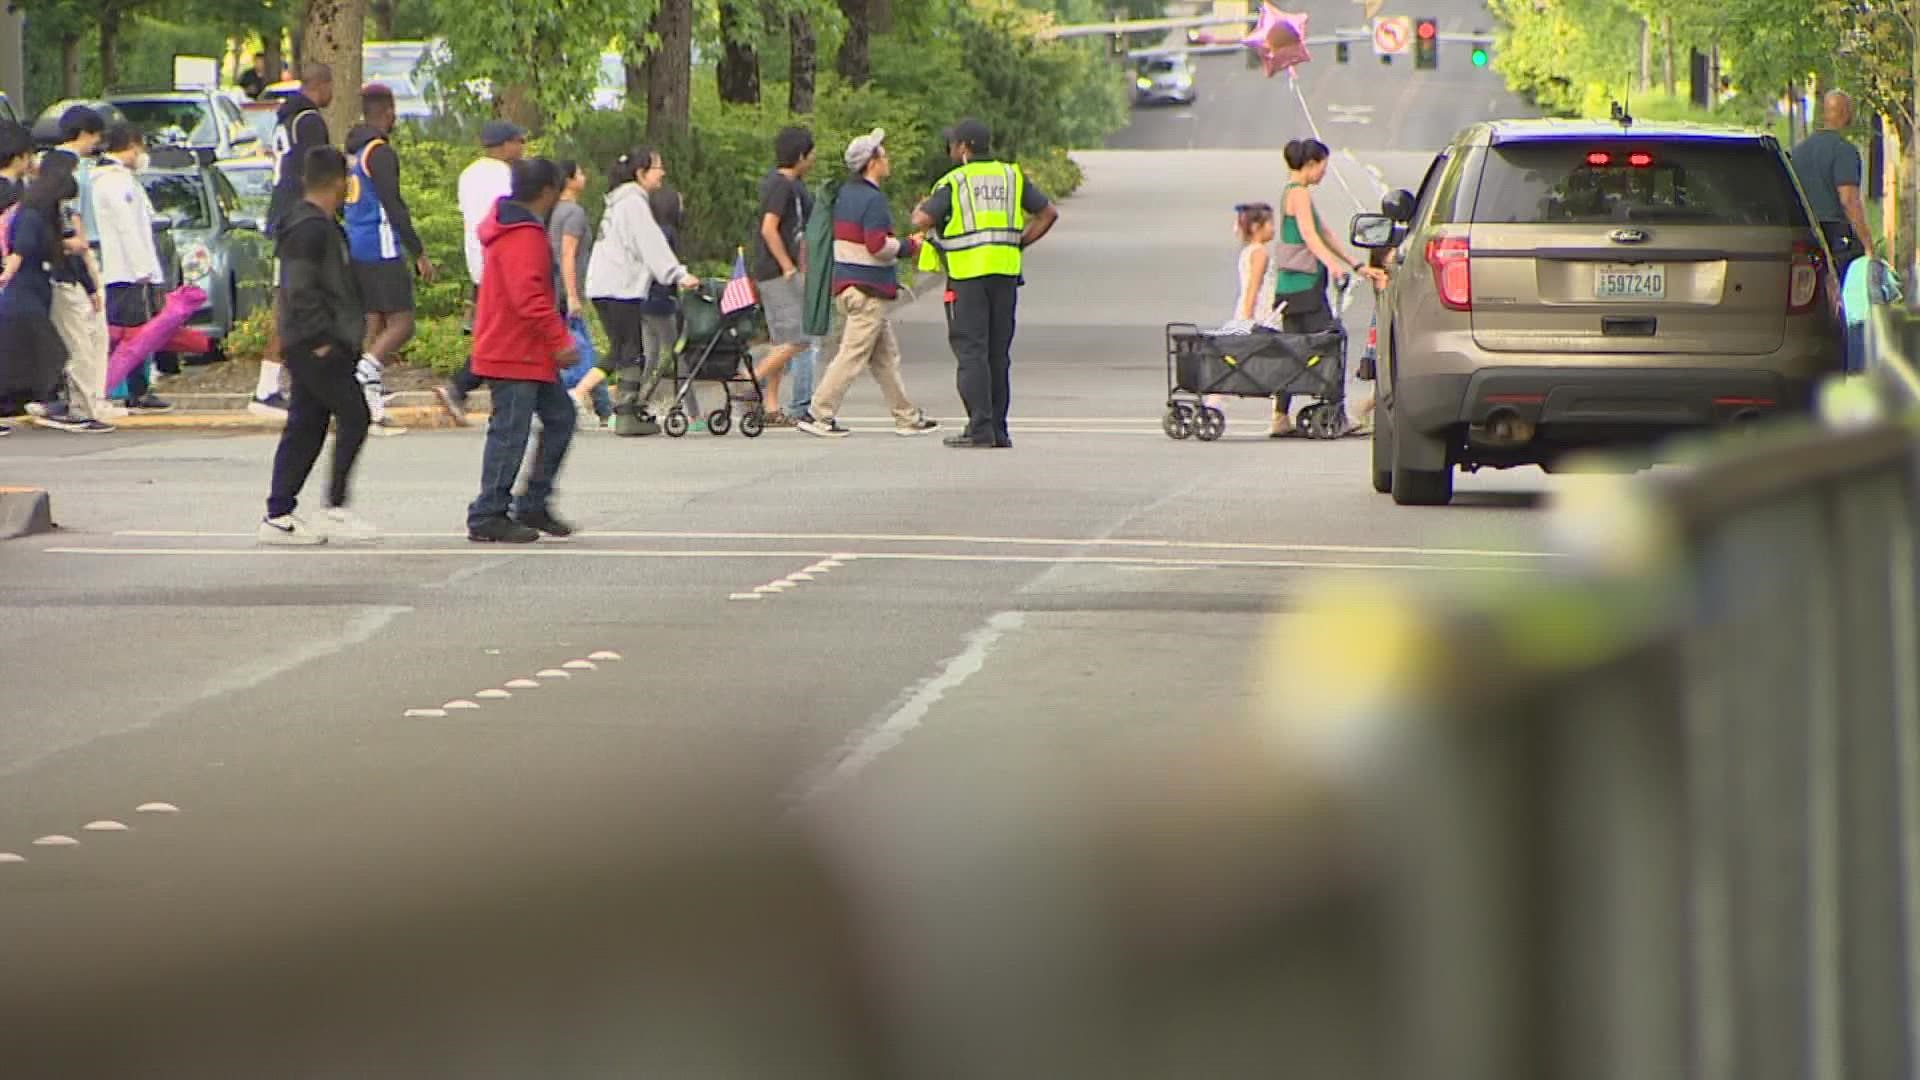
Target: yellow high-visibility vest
[{"x": 982, "y": 233}]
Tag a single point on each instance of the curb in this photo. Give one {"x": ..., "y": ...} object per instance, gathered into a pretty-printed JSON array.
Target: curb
[
  {"x": 24, "y": 512},
  {"x": 407, "y": 416}
]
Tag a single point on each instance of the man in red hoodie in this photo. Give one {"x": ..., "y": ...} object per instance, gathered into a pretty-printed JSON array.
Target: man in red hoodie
[{"x": 520, "y": 346}]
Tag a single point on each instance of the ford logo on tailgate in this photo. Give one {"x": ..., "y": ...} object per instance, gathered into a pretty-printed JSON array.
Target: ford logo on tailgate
[{"x": 1627, "y": 236}]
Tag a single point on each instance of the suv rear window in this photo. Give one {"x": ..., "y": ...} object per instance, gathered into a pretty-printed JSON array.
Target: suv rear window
[{"x": 1683, "y": 182}]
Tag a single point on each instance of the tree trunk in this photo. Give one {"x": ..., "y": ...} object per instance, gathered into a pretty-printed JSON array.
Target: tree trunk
[
  {"x": 109, "y": 47},
  {"x": 382, "y": 12},
  {"x": 70, "y": 64},
  {"x": 738, "y": 72},
  {"x": 803, "y": 61},
  {"x": 335, "y": 31},
  {"x": 1667, "y": 72},
  {"x": 1646, "y": 56},
  {"x": 299, "y": 36},
  {"x": 855, "y": 63},
  {"x": 270, "y": 37},
  {"x": 516, "y": 103},
  {"x": 1713, "y": 79},
  {"x": 670, "y": 72}
]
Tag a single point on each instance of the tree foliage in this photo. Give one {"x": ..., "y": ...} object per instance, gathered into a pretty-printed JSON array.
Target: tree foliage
[{"x": 1571, "y": 56}]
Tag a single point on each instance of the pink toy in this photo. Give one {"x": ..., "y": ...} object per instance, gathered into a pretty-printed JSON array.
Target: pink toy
[
  {"x": 154, "y": 334},
  {"x": 1280, "y": 37},
  {"x": 184, "y": 340}
]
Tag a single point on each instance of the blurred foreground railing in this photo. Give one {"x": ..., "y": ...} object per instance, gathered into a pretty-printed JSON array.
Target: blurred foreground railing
[{"x": 1660, "y": 817}]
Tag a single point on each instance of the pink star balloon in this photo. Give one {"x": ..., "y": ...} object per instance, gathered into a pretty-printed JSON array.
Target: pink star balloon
[{"x": 1280, "y": 37}]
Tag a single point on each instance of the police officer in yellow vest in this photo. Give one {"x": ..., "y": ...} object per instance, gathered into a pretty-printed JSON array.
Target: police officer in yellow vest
[{"x": 981, "y": 216}]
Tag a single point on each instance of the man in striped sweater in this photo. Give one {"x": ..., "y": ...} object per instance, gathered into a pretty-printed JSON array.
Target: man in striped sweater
[{"x": 865, "y": 282}]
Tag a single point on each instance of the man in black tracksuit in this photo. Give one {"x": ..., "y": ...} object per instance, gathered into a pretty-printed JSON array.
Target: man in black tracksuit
[
  {"x": 321, "y": 326},
  {"x": 299, "y": 128}
]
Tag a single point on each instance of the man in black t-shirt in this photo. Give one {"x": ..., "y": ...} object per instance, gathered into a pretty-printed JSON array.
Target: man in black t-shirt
[
  {"x": 778, "y": 261},
  {"x": 299, "y": 128}
]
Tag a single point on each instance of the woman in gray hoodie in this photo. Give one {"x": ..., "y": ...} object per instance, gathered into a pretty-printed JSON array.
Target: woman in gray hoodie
[{"x": 631, "y": 254}]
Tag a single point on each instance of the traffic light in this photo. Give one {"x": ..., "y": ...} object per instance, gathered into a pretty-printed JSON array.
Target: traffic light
[
  {"x": 1479, "y": 56},
  {"x": 1426, "y": 44},
  {"x": 1342, "y": 52}
]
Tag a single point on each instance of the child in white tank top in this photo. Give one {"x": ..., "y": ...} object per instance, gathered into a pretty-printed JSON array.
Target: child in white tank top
[{"x": 1253, "y": 303}]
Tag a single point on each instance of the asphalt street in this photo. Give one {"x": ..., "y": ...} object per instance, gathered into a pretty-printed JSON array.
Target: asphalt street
[{"x": 887, "y": 649}]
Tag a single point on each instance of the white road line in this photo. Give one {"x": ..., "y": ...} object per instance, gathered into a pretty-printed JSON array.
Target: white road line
[
  {"x": 915, "y": 538},
  {"x": 873, "y": 556},
  {"x": 919, "y": 701}
]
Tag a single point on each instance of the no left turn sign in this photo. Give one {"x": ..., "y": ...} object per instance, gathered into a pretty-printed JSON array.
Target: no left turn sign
[{"x": 1392, "y": 36}]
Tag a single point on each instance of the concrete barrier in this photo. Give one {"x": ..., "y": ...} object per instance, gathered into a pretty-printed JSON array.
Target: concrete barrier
[{"x": 24, "y": 511}]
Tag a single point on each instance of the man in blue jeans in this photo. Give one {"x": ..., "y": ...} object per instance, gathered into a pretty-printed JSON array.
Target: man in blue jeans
[
  {"x": 800, "y": 398},
  {"x": 520, "y": 346}
]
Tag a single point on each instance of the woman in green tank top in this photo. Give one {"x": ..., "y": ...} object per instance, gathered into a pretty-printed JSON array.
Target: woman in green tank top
[{"x": 1308, "y": 257}]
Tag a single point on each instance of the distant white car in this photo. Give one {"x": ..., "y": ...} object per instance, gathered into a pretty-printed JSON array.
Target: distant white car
[{"x": 1163, "y": 78}]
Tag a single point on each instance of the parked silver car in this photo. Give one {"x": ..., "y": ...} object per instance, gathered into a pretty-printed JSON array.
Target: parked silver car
[
  {"x": 196, "y": 119},
  {"x": 218, "y": 246}
]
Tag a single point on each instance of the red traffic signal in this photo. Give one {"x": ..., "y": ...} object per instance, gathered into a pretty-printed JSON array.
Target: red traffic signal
[{"x": 1428, "y": 29}]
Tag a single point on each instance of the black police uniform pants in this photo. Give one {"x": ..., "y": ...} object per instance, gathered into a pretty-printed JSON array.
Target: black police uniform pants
[
  {"x": 980, "y": 329},
  {"x": 1845, "y": 245}
]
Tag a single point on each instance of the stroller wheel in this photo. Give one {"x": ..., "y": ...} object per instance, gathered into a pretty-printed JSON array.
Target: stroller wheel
[
  {"x": 751, "y": 425},
  {"x": 1174, "y": 424},
  {"x": 719, "y": 422},
  {"x": 676, "y": 424},
  {"x": 1183, "y": 421},
  {"x": 1210, "y": 424},
  {"x": 1322, "y": 421}
]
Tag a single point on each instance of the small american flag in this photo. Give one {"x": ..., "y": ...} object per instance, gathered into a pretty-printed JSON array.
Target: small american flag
[{"x": 739, "y": 292}]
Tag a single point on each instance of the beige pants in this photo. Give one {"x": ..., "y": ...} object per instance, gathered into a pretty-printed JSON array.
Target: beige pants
[
  {"x": 84, "y": 332},
  {"x": 866, "y": 344}
]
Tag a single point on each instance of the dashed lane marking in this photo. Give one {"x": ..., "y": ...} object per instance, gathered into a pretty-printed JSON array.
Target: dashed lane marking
[
  {"x": 98, "y": 825},
  {"x": 563, "y": 671},
  {"x": 812, "y": 572}
]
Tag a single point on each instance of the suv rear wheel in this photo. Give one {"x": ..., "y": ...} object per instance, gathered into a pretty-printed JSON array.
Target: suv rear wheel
[
  {"x": 1383, "y": 450},
  {"x": 1419, "y": 487}
]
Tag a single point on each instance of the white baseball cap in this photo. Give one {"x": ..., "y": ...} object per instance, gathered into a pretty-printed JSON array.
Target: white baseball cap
[{"x": 861, "y": 150}]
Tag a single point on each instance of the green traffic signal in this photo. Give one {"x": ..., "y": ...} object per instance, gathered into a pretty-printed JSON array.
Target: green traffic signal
[{"x": 1479, "y": 56}]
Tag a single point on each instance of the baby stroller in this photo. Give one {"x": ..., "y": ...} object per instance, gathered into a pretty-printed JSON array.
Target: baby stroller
[
  {"x": 1255, "y": 362},
  {"x": 714, "y": 348}
]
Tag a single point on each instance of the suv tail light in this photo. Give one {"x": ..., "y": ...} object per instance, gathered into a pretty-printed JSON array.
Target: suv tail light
[
  {"x": 1451, "y": 260},
  {"x": 1803, "y": 284}
]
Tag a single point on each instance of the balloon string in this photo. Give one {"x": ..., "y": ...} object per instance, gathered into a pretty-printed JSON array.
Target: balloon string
[{"x": 1293, "y": 80}]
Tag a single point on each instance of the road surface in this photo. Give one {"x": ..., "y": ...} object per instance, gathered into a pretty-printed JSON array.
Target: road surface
[{"x": 878, "y": 648}]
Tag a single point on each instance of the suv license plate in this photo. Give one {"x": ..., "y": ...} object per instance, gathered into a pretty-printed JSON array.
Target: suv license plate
[{"x": 1630, "y": 283}]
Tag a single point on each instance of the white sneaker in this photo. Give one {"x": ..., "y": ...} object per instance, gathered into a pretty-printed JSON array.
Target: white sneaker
[
  {"x": 340, "y": 523},
  {"x": 385, "y": 428},
  {"x": 289, "y": 531}
]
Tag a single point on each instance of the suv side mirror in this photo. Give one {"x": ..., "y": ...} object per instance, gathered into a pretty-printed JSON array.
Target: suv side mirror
[
  {"x": 162, "y": 223},
  {"x": 1375, "y": 231},
  {"x": 1398, "y": 205},
  {"x": 242, "y": 224}
]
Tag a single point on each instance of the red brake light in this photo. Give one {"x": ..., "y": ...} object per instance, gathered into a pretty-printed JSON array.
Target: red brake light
[
  {"x": 1640, "y": 161},
  {"x": 1803, "y": 282},
  {"x": 1451, "y": 260},
  {"x": 1599, "y": 159}
]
